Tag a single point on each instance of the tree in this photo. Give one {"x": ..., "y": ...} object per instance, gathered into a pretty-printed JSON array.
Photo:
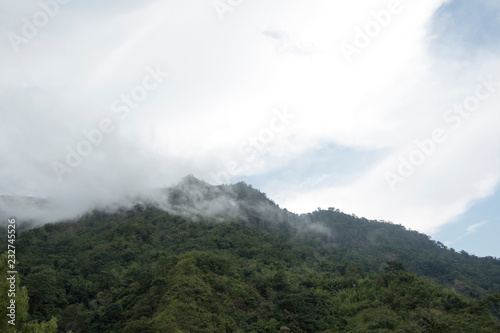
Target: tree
[
  {"x": 21, "y": 305},
  {"x": 21, "y": 298},
  {"x": 394, "y": 267}
]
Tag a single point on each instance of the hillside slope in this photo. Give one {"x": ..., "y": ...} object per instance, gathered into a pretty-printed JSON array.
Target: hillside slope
[{"x": 228, "y": 259}]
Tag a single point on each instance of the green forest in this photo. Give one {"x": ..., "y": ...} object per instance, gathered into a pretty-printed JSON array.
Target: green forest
[{"x": 148, "y": 270}]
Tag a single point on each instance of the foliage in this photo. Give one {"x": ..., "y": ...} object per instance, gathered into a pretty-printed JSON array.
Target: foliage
[
  {"x": 20, "y": 295},
  {"x": 145, "y": 270}
]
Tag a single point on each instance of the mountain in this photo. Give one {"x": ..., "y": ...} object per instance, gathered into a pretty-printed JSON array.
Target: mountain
[
  {"x": 330, "y": 232},
  {"x": 200, "y": 258},
  {"x": 23, "y": 204}
]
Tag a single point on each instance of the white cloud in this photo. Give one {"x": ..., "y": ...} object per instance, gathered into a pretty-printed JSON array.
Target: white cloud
[
  {"x": 474, "y": 227},
  {"x": 225, "y": 79}
]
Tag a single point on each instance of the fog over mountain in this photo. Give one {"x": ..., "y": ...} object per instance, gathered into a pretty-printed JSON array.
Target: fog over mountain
[
  {"x": 191, "y": 198},
  {"x": 250, "y": 165}
]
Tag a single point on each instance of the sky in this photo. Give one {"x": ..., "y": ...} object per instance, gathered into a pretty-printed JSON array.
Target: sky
[{"x": 383, "y": 109}]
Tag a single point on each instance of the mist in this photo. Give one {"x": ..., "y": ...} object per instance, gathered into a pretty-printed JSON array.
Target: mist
[{"x": 103, "y": 103}]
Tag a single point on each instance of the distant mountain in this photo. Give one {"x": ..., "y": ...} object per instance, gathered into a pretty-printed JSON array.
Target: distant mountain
[
  {"x": 25, "y": 206},
  {"x": 197, "y": 257},
  {"x": 10, "y": 201}
]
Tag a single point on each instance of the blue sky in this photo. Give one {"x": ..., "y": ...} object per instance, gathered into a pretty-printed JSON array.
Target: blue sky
[
  {"x": 476, "y": 230},
  {"x": 385, "y": 111},
  {"x": 472, "y": 28},
  {"x": 339, "y": 165}
]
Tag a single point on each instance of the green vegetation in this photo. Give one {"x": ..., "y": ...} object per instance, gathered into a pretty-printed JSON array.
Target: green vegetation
[
  {"x": 145, "y": 270},
  {"x": 20, "y": 295},
  {"x": 370, "y": 245}
]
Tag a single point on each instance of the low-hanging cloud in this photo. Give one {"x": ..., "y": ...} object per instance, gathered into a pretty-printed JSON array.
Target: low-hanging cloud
[{"x": 224, "y": 79}]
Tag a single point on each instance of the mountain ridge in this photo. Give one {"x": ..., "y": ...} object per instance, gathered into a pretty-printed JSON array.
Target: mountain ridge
[{"x": 225, "y": 258}]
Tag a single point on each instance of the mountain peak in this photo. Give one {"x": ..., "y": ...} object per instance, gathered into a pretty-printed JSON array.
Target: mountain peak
[{"x": 192, "y": 180}]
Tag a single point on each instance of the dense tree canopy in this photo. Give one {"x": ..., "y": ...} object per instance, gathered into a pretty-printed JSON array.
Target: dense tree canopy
[{"x": 145, "y": 270}]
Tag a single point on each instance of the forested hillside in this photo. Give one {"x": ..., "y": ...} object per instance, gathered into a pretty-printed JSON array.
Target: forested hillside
[{"x": 261, "y": 269}]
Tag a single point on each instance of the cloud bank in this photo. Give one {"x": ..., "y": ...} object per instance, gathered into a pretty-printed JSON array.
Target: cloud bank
[{"x": 214, "y": 115}]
